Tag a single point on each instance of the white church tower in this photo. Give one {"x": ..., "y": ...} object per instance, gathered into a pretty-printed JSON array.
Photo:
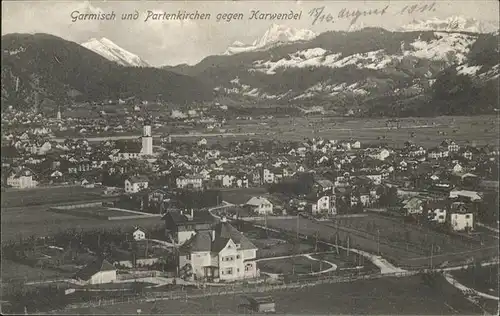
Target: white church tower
[{"x": 147, "y": 139}]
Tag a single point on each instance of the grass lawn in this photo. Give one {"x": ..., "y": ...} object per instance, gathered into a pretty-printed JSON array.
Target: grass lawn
[
  {"x": 389, "y": 296},
  {"x": 297, "y": 265},
  {"x": 343, "y": 262},
  {"x": 275, "y": 248},
  {"x": 484, "y": 279}
]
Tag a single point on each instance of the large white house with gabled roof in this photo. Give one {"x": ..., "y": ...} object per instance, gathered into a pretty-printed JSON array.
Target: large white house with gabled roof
[{"x": 222, "y": 254}]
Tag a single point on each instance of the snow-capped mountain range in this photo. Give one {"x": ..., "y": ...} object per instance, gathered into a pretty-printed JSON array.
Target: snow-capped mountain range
[
  {"x": 109, "y": 50},
  {"x": 451, "y": 24},
  {"x": 275, "y": 34}
]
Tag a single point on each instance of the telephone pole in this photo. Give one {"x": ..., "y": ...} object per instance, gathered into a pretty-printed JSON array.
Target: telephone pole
[
  {"x": 297, "y": 226},
  {"x": 378, "y": 241},
  {"x": 316, "y": 243},
  {"x": 432, "y": 252}
]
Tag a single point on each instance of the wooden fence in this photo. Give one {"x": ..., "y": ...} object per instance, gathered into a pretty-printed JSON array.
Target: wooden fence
[{"x": 233, "y": 289}]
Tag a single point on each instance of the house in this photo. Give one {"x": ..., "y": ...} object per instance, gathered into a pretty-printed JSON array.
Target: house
[
  {"x": 320, "y": 204},
  {"x": 376, "y": 178},
  {"x": 139, "y": 234},
  {"x": 380, "y": 154},
  {"x": 324, "y": 185},
  {"x": 181, "y": 227},
  {"x": 221, "y": 254},
  {"x": 191, "y": 181},
  {"x": 437, "y": 153},
  {"x": 453, "y": 147},
  {"x": 202, "y": 142},
  {"x": 471, "y": 195},
  {"x": 136, "y": 184},
  {"x": 356, "y": 144},
  {"x": 436, "y": 211},
  {"x": 460, "y": 217},
  {"x": 457, "y": 168},
  {"x": 22, "y": 179},
  {"x": 417, "y": 151},
  {"x": 98, "y": 272},
  {"x": 267, "y": 176},
  {"x": 413, "y": 206},
  {"x": 467, "y": 154},
  {"x": 259, "y": 205}
]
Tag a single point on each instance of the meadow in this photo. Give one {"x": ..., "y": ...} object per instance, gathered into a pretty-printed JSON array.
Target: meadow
[
  {"x": 416, "y": 253},
  {"x": 48, "y": 195},
  {"x": 388, "y": 296},
  {"x": 426, "y": 131}
]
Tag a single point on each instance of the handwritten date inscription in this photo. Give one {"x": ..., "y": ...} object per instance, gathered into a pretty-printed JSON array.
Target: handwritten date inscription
[{"x": 319, "y": 15}]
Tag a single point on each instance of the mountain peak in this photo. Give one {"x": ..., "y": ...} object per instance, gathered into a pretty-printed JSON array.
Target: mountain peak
[
  {"x": 111, "y": 51},
  {"x": 276, "y": 33},
  {"x": 452, "y": 23}
]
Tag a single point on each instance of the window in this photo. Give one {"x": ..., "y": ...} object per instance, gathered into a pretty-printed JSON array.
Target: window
[
  {"x": 248, "y": 267},
  {"x": 467, "y": 216},
  {"x": 229, "y": 270},
  {"x": 441, "y": 217},
  {"x": 238, "y": 256},
  {"x": 188, "y": 256}
]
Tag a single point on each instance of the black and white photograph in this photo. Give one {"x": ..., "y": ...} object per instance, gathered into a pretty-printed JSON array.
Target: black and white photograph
[{"x": 250, "y": 157}]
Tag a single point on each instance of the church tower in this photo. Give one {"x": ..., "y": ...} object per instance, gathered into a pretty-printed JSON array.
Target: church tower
[{"x": 147, "y": 138}]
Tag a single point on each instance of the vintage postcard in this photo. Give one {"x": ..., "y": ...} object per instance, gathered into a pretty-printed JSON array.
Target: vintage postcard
[{"x": 250, "y": 157}]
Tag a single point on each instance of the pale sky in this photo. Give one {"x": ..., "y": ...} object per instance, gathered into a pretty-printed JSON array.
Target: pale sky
[{"x": 174, "y": 42}]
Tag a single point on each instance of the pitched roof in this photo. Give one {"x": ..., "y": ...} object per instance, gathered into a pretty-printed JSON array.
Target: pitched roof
[
  {"x": 96, "y": 266},
  {"x": 137, "y": 179},
  {"x": 224, "y": 232},
  {"x": 257, "y": 201}
]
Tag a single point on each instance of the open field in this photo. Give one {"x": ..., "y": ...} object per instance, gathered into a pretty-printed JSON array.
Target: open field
[
  {"x": 99, "y": 212},
  {"x": 415, "y": 239},
  {"x": 274, "y": 247},
  {"x": 390, "y": 296},
  {"x": 16, "y": 271},
  {"x": 409, "y": 255},
  {"x": 292, "y": 265},
  {"x": 480, "y": 130},
  {"x": 48, "y": 195},
  {"x": 35, "y": 220},
  {"x": 483, "y": 279}
]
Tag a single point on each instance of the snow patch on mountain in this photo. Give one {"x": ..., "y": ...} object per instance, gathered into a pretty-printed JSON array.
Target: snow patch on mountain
[
  {"x": 446, "y": 47},
  {"x": 275, "y": 34},
  {"x": 319, "y": 57},
  {"x": 331, "y": 90},
  {"x": 491, "y": 74},
  {"x": 109, "y": 50},
  {"x": 468, "y": 70},
  {"x": 451, "y": 24},
  {"x": 238, "y": 88}
]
